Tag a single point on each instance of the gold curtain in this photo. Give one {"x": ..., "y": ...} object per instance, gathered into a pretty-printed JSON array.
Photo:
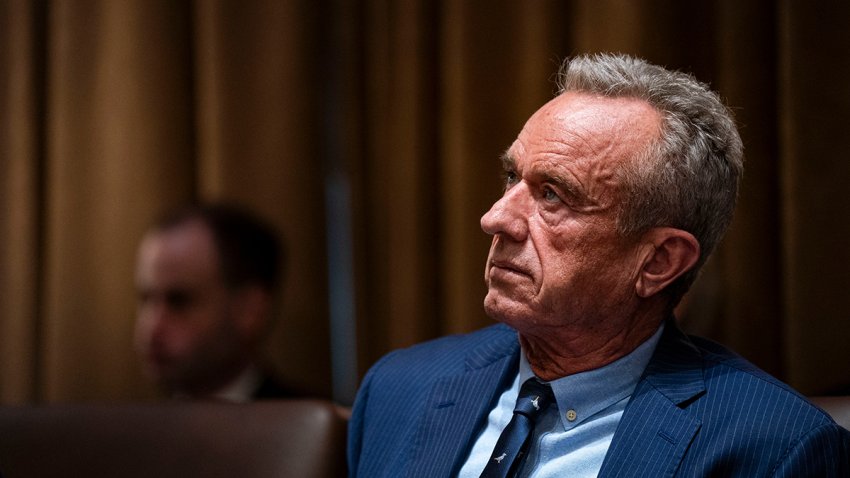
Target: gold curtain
[{"x": 111, "y": 112}]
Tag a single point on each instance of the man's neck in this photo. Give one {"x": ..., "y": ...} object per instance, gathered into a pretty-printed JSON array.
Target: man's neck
[
  {"x": 566, "y": 351},
  {"x": 242, "y": 388},
  {"x": 214, "y": 387}
]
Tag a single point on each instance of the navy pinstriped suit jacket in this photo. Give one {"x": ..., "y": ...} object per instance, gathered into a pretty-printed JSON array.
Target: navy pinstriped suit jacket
[{"x": 699, "y": 410}]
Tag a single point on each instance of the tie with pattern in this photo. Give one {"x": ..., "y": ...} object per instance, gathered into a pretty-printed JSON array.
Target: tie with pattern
[{"x": 506, "y": 459}]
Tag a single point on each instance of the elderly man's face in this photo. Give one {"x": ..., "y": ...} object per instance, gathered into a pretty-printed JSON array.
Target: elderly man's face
[
  {"x": 556, "y": 256},
  {"x": 185, "y": 330}
]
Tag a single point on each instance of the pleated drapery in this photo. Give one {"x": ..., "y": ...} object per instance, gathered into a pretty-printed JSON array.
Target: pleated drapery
[{"x": 111, "y": 112}]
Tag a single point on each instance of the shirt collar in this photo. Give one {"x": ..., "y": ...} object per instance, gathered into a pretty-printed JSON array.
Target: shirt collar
[
  {"x": 241, "y": 388},
  {"x": 582, "y": 395}
]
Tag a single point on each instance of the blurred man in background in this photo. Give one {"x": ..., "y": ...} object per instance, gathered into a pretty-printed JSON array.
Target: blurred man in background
[{"x": 206, "y": 278}]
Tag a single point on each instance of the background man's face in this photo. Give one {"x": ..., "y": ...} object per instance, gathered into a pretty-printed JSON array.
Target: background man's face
[
  {"x": 556, "y": 256},
  {"x": 184, "y": 329}
]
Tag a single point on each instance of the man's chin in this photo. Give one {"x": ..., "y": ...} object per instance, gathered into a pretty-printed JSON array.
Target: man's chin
[{"x": 511, "y": 312}]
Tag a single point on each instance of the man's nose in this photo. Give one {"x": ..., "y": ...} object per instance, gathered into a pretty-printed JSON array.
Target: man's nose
[{"x": 509, "y": 215}]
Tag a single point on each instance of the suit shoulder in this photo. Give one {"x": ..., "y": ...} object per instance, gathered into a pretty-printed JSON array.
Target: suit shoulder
[
  {"x": 749, "y": 423},
  {"x": 720, "y": 362},
  {"x": 738, "y": 384},
  {"x": 444, "y": 355}
]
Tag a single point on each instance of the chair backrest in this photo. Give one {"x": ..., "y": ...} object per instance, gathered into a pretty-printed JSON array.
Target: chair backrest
[
  {"x": 287, "y": 438},
  {"x": 838, "y": 407}
]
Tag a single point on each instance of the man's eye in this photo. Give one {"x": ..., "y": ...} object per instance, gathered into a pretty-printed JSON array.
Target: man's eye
[
  {"x": 510, "y": 179},
  {"x": 550, "y": 195}
]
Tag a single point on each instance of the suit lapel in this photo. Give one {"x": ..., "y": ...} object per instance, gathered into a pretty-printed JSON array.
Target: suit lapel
[
  {"x": 458, "y": 405},
  {"x": 656, "y": 428}
]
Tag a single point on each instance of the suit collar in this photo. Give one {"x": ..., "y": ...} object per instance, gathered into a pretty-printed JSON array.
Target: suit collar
[
  {"x": 676, "y": 368},
  {"x": 656, "y": 428},
  {"x": 504, "y": 342},
  {"x": 459, "y": 403}
]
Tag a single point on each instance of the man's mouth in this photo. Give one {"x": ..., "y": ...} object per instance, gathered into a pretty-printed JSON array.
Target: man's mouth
[{"x": 507, "y": 267}]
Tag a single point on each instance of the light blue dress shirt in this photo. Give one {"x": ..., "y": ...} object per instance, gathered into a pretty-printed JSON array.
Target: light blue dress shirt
[{"x": 569, "y": 439}]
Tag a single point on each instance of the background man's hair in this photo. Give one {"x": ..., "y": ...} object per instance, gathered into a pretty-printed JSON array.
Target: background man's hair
[{"x": 250, "y": 250}]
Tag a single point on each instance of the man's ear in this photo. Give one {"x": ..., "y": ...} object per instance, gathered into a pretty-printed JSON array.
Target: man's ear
[{"x": 668, "y": 254}]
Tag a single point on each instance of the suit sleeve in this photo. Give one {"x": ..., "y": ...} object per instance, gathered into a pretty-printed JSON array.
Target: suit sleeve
[
  {"x": 823, "y": 452},
  {"x": 355, "y": 426}
]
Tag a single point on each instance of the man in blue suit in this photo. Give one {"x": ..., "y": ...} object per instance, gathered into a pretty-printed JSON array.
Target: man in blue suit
[{"x": 616, "y": 192}]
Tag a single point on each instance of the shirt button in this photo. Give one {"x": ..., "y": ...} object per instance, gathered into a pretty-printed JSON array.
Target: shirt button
[{"x": 571, "y": 415}]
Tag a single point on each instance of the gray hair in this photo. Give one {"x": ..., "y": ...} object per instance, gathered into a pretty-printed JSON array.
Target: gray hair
[{"x": 688, "y": 178}]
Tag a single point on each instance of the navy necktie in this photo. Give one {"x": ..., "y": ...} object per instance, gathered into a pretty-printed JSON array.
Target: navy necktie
[{"x": 507, "y": 456}]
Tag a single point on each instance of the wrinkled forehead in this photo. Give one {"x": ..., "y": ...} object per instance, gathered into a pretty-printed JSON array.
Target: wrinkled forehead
[
  {"x": 583, "y": 144},
  {"x": 591, "y": 125}
]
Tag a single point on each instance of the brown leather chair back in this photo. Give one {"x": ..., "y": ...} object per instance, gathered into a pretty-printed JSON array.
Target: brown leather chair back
[
  {"x": 837, "y": 407},
  {"x": 262, "y": 439}
]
